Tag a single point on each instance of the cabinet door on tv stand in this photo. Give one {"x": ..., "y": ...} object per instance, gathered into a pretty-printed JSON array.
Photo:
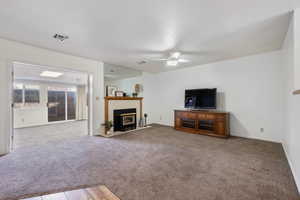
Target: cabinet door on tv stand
[
  {"x": 220, "y": 128},
  {"x": 177, "y": 122}
]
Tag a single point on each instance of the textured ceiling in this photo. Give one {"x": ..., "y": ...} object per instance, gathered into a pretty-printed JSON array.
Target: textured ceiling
[
  {"x": 23, "y": 71},
  {"x": 114, "y": 72},
  {"x": 126, "y": 32}
]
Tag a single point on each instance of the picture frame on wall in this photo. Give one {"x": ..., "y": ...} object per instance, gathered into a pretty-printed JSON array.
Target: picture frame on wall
[
  {"x": 119, "y": 93},
  {"x": 110, "y": 91}
]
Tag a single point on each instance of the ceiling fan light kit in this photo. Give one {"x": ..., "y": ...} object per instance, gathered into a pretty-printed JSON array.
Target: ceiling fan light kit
[
  {"x": 175, "y": 55},
  {"x": 172, "y": 63},
  {"x": 173, "y": 59}
]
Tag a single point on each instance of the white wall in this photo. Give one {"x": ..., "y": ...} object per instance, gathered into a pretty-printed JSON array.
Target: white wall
[
  {"x": 13, "y": 51},
  {"x": 33, "y": 114},
  {"x": 81, "y": 104},
  {"x": 292, "y": 102},
  {"x": 250, "y": 88},
  {"x": 296, "y": 47},
  {"x": 37, "y": 114},
  {"x": 126, "y": 85}
]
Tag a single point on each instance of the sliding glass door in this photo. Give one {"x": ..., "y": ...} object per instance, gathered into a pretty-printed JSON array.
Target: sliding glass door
[
  {"x": 56, "y": 106},
  {"x": 61, "y": 105}
]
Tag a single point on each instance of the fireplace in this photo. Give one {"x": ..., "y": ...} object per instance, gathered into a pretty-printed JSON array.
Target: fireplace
[{"x": 125, "y": 119}]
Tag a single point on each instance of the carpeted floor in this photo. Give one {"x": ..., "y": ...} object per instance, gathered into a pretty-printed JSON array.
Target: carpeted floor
[
  {"x": 152, "y": 164},
  {"x": 39, "y": 135}
]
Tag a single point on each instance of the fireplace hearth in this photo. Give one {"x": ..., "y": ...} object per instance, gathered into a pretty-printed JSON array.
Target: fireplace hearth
[{"x": 124, "y": 119}]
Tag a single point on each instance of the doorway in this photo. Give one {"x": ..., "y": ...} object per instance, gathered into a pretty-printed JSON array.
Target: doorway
[{"x": 48, "y": 108}]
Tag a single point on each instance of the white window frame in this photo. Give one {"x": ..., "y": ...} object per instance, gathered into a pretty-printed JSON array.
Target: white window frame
[{"x": 23, "y": 87}]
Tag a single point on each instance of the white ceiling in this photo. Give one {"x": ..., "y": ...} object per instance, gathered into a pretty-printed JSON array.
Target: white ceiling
[
  {"x": 126, "y": 32},
  {"x": 31, "y": 72},
  {"x": 114, "y": 72}
]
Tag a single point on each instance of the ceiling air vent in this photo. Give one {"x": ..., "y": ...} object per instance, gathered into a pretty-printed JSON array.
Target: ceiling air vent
[
  {"x": 60, "y": 37},
  {"x": 141, "y": 62}
]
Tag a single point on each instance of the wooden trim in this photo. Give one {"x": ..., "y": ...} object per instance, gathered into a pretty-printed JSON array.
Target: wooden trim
[
  {"x": 106, "y": 113},
  {"x": 296, "y": 92},
  {"x": 202, "y": 111},
  {"x": 141, "y": 108},
  {"x": 123, "y": 98}
]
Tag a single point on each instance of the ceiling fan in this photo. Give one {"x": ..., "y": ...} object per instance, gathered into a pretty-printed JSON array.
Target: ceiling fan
[{"x": 173, "y": 60}]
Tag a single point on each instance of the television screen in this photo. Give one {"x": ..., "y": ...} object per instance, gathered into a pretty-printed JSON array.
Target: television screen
[{"x": 201, "y": 98}]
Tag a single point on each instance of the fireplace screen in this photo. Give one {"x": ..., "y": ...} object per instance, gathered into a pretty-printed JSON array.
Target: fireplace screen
[
  {"x": 125, "y": 119},
  {"x": 128, "y": 119}
]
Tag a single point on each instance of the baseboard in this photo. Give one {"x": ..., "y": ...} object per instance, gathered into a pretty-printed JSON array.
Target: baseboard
[
  {"x": 160, "y": 124},
  {"x": 237, "y": 134},
  {"x": 297, "y": 181}
]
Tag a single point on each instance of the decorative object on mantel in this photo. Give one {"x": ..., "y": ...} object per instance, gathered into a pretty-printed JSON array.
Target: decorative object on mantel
[
  {"x": 138, "y": 88},
  {"x": 119, "y": 93},
  {"x": 296, "y": 92},
  {"x": 134, "y": 94},
  {"x": 110, "y": 91}
]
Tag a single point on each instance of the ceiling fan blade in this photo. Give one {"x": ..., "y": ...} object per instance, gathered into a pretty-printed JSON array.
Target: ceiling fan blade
[
  {"x": 159, "y": 59},
  {"x": 181, "y": 60}
]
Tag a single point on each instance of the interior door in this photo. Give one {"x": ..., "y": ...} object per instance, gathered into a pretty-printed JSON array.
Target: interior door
[
  {"x": 71, "y": 105},
  {"x": 56, "y": 106}
]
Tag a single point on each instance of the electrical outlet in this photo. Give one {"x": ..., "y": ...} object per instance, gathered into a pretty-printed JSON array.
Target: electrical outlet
[{"x": 262, "y": 130}]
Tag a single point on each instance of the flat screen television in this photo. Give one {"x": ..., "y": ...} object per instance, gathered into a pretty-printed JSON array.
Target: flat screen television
[{"x": 201, "y": 98}]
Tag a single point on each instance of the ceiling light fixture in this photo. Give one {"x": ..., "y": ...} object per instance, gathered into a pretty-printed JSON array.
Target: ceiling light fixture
[
  {"x": 172, "y": 63},
  {"x": 175, "y": 55},
  {"x": 51, "y": 74},
  {"x": 60, "y": 37}
]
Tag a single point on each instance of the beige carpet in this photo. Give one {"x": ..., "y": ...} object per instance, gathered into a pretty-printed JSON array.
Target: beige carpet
[
  {"x": 39, "y": 135},
  {"x": 156, "y": 163}
]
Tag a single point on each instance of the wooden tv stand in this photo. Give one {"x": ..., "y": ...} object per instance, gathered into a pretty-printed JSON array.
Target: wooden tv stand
[{"x": 212, "y": 123}]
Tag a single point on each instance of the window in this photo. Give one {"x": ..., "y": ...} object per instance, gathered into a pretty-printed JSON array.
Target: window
[
  {"x": 26, "y": 93},
  {"x": 32, "y": 94},
  {"x": 18, "y": 93},
  {"x": 18, "y": 96}
]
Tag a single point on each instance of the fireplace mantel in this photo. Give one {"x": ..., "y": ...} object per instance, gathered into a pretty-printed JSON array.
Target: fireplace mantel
[
  {"x": 138, "y": 101},
  {"x": 123, "y": 98}
]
